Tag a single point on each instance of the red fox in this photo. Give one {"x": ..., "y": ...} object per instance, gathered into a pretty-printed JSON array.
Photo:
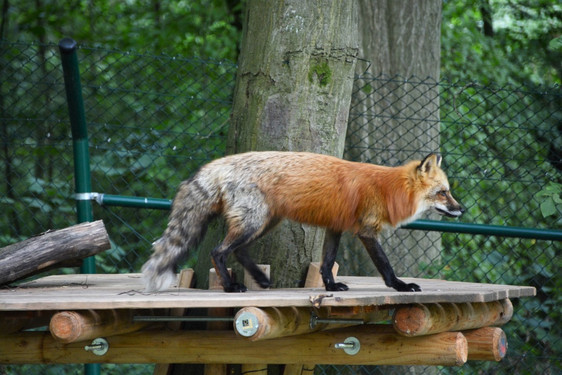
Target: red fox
[{"x": 254, "y": 191}]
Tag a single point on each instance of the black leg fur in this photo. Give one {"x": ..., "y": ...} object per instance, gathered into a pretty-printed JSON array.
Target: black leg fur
[
  {"x": 244, "y": 258},
  {"x": 383, "y": 266},
  {"x": 331, "y": 243}
]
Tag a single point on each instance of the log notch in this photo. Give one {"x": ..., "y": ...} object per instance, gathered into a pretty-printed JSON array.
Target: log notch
[
  {"x": 52, "y": 249},
  {"x": 74, "y": 326},
  {"x": 418, "y": 319},
  {"x": 380, "y": 345}
]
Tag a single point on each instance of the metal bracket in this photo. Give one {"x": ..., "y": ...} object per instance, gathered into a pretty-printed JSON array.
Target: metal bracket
[
  {"x": 99, "y": 346},
  {"x": 92, "y": 196},
  {"x": 351, "y": 345}
]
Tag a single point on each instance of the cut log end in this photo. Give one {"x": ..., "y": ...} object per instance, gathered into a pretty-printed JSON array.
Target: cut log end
[{"x": 66, "y": 326}]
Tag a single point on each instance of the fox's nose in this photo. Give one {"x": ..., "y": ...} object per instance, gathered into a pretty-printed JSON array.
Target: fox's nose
[{"x": 461, "y": 209}]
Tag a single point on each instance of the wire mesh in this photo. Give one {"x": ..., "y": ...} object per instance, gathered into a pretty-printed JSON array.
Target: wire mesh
[{"x": 154, "y": 119}]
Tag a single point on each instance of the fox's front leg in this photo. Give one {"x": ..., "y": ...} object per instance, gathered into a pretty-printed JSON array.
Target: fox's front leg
[
  {"x": 378, "y": 256},
  {"x": 331, "y": 243}
]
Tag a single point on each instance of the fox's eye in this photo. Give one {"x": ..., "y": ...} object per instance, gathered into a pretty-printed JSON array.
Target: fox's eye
[{"x": 442, "y": 193}]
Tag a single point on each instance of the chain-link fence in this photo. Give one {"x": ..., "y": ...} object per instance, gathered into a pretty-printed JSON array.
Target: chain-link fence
[{"x": 153, "y": 120}]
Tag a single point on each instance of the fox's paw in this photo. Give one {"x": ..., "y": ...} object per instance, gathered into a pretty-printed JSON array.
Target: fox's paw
[
  {"x": 263, "y": 282},
  {"x": 336, "y": 287},
  {"x": 236, "y": 288},
  {"x": 403, "y": 287}
]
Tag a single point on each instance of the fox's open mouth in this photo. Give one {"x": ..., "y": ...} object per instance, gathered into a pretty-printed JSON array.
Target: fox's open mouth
[{"x": 448, "y": 213}]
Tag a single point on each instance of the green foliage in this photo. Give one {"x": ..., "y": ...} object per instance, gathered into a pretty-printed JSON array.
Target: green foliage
[
  {"x": 551, "y": 203},
  {"x": 188, "y": 28}
]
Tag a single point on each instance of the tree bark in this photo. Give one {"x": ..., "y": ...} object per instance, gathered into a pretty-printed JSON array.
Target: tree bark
[{"x": 293, "y": 89}]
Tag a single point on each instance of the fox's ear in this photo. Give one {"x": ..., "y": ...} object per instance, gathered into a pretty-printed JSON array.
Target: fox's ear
[{"x": 429, "y": 162}]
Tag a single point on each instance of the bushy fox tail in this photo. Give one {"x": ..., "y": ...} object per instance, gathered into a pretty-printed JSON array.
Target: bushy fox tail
[{"x": 192, "y": 209}]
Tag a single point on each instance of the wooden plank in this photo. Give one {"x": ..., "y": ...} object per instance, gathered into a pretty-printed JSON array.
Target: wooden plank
[
  {"x": 380, "y": 345},
  {"x": 117, "y": 291}
]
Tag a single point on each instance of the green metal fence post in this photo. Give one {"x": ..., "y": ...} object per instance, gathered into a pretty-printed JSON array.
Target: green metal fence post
[{"x": 83, "y": 184}]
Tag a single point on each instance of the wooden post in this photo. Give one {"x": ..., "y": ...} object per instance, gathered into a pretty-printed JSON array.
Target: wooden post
[
  {"x": 74, "y": 326},
  {"x": 486, "y": 344},
  {"x": 52, "y": 249},
  {"x": 185, "y": 281},
  {"x": 380, "y": 345},
  {"x": 217, "y": 368},
  {"x": 254, "y": 368},
  {"x": 313, "y": 280},
  {"x": 418, "y": 319}
]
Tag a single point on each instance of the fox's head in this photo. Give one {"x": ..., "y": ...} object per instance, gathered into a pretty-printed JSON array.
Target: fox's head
[{"x": 434, "y": 188}]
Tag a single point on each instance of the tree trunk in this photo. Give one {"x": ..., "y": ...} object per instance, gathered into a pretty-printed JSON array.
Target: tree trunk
[
  {"x": 393, "y": 121},
  {"x": 293, "y": 89}
]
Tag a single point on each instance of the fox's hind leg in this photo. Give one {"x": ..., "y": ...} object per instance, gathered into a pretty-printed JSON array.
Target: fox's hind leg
[
  {"x": 244, "y": 259},
  {"x": 248, "y": 218}
]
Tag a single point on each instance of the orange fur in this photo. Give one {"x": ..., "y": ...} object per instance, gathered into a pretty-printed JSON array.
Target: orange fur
[{"x": 342, "y": 195}]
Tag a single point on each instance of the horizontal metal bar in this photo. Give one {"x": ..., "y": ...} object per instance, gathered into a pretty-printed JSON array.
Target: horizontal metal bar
[
  {"x": 182, "y": 319},
  {"x": 429, "y": 225},
  {"x": 133, "y": 202},
  {"x": 487, "y": 230}
]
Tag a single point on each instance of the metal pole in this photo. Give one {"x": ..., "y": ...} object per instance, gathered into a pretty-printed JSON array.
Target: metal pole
[
  {"x": 487, "y": 230},
  {"x": 82, "y": 179}
]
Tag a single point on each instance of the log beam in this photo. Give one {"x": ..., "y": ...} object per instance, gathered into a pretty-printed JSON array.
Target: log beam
[
  {"x": 75, "y": 326},
  {"x": 486, "y": 344},
  {"x": 254, "y": 323},
  {"x": 380, "y": 345},
  {"x": 418, "y": 319}
]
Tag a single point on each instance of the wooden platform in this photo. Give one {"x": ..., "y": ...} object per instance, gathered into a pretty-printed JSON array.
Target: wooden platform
[{"x": 125, "y": 291}]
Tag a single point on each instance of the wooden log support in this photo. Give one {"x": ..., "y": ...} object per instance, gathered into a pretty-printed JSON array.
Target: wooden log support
[
  {"x": 380, "y": 345},
  {"x": 75, "y": 326},
  {"x": 418, "y": 319},
  {"x": 486, "y": 344},
  {"x": 253, "y": 323},
  {"x": 52, "y": 249}
]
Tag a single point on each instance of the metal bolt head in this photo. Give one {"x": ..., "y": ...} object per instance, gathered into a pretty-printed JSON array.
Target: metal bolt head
[
  {"x": 350, "y": 346},
  {"x": 99, "y": 346}
]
